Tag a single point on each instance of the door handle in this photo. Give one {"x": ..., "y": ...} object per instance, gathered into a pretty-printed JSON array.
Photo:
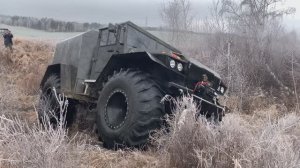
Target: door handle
[{"x": 111, "y": 50}]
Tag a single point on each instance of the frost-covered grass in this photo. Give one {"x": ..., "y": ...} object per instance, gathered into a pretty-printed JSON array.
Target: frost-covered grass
[
  {"x": 255, "y": 141},
  {"x": 238, "y": 141}
]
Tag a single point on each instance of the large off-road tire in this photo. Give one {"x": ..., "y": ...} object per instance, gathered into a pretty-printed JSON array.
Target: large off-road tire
[
  {"x": 128, "y": 109},
  {"x": 48, "y": 101}
]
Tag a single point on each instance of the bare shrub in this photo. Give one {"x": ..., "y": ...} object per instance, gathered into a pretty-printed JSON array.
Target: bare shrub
[
  {"x": 40, "y": 145},
  {"x": 236, "y": 142},
  {"x": 249, "y": 46},
  {"x": 245, "y": 41}
]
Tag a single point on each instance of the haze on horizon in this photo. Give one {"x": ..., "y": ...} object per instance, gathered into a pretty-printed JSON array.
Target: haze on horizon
[{"x": 142, "y": 12}]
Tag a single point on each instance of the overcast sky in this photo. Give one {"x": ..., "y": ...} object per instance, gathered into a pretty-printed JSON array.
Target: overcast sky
[{"x": 105, "y": 11}]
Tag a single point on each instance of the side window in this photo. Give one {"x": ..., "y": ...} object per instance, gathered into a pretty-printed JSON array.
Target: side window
[
  {"x": 107, "y": 38},
  {"x": 112, "y": 38},
  {"x": 122, "y": 33},
  {"x": 104, "y": 37}
]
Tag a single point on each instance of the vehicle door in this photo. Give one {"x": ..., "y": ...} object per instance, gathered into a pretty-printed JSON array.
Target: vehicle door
[{"x": 107, "y": 47}]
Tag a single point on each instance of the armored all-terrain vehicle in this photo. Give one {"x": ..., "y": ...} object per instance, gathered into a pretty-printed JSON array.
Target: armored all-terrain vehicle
[{"x": 121, "y": 73}]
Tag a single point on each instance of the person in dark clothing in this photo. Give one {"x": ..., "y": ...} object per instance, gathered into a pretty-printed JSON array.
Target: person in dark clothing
[
  {"x": 200, "y": 86},
  {"x": 207, "y": 109},
  {"x": 8, "y": 40}
]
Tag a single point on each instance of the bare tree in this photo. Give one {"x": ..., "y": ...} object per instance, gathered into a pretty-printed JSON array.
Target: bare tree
[
  {"x": 178, "y": 18},
  {"x": 259, "y": 46}
]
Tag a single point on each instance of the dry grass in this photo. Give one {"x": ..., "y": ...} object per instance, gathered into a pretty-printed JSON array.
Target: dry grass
[
  {"x": 261, "y": 140},
  {"x": 38, "y": 145},
  {"x": 20, "y": 75},
  {"x": 239, "y": 141},
  {"x": 269, "y": 137},
  {"x": 41, "y": 145},
  {"x": 22, "y": 145},
  {"x": 27, "y": 64}
]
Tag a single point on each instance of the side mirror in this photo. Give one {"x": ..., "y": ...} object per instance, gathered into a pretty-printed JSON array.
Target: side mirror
[{"x": 112, "y": 28}]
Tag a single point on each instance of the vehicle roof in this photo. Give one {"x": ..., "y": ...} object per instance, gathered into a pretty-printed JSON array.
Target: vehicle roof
[{"x": 141, "y": 30}]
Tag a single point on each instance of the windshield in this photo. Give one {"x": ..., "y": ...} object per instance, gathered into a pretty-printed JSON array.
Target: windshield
[{"x": 142, "y": 41}]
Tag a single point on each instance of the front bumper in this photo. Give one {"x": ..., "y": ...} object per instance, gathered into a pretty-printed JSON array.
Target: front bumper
[{"x": 183, "y": 89}]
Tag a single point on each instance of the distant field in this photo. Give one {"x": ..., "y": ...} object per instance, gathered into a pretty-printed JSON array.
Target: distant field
[{"x": 22, "y": 32}]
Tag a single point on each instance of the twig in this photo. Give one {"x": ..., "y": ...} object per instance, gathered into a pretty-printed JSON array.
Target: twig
[
  {"x": 294, "y": 82},
  {"x": 4, "y": 118}
]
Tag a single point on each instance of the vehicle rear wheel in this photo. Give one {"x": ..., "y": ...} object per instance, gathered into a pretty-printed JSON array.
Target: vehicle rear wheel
[
  {"x": 49, "y": 106},
  {"x": 128, "y": 109},
  {"x": 48, "y": 101}
]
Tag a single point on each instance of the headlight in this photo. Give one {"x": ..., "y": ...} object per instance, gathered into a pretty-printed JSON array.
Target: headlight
[
  {"x": 222, "y": 90},
  {"x": 179, "y": 66},
  {"x": 172, "y": 63}
]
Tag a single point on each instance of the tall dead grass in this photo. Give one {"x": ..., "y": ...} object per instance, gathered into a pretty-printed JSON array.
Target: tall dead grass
[
  {"x": 26, "y": 64},
  {"x": 238, "y": 141},
  {"x": 38, "y": 145},
  {"x": 23, "y": 144},
  {"x": 265, "y": 139},
  {"x": 8, "y": 100}
]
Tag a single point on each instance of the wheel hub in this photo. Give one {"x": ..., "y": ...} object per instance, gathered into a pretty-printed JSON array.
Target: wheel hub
[{"x": 116, "y": 109}]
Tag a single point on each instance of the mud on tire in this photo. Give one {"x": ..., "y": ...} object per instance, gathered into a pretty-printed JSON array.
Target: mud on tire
[{"x": 128, "y": 109}]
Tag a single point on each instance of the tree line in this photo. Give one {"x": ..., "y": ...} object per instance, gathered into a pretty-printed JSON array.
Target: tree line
[{"x": 48, "y": 24}]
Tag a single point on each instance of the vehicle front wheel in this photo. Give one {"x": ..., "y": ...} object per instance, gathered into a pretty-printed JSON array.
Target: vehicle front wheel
[{"x": 128, "y": 109}]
